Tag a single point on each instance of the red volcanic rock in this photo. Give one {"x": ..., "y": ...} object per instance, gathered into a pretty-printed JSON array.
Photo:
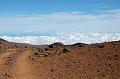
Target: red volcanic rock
[{"x": 58, "y": 61}]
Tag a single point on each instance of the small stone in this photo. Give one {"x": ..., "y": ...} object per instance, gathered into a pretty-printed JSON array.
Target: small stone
[
  {"x": 101, "y": 46},
  {"x": 51, "y": 70},
  {"x": 65, "y": 50},
  {"x": 116, "y": 55},
  {"x": 46, "y": 49},
  {"x": 50, "y": 46}
]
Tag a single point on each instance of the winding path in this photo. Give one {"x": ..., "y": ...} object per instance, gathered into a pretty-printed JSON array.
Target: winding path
[
  {"x": 15, "y": 65},
  {"x": 23, "y": 68}
]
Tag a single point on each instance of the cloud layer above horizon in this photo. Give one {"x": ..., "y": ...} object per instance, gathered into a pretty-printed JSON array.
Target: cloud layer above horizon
[
  {"x": 100, "y": 21},
  {"x": 65, "y": 38}
]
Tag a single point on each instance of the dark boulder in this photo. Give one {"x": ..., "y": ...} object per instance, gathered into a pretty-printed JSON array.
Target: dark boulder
[
  {"x": 65, "y": 50},
  {"x": 58, "y": 44},
  {"x": 51, "y": 46},
  {"x": 101, "y": 46},
  {"x": 79, "y": 44}
]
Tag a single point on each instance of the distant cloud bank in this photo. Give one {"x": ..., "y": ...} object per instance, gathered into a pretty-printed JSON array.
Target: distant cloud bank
[{"x": 65, "y": 38}]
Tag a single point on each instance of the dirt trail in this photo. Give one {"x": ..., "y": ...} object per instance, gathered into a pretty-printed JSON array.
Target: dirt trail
[
  {"x": 23, "y": 67},
  {"x": 95, "y": 61}
]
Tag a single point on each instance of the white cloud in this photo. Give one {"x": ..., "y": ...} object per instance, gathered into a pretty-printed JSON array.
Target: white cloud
[
  {"x": 103, "y": 21},
  {"x": 111, "y": 11},
  {"x": 65, "y": 38}
]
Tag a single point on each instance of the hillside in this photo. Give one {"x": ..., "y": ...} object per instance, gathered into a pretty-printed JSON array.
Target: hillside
[{"x": 58, "y": 61}]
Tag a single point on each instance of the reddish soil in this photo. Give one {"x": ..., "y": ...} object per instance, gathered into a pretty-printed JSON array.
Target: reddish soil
[{"x": 58, "y": 61}]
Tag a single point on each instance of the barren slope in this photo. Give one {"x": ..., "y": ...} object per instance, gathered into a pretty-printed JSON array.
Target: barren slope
[{"x": 56, "y": 61}]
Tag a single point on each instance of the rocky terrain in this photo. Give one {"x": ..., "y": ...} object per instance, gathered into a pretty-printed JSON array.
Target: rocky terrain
[{"x": 58, "y": 61}]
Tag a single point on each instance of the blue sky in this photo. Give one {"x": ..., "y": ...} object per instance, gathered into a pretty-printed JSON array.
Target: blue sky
[
  {"x": 30, "y": 16},
  {"x": 48, "y": 6}
]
